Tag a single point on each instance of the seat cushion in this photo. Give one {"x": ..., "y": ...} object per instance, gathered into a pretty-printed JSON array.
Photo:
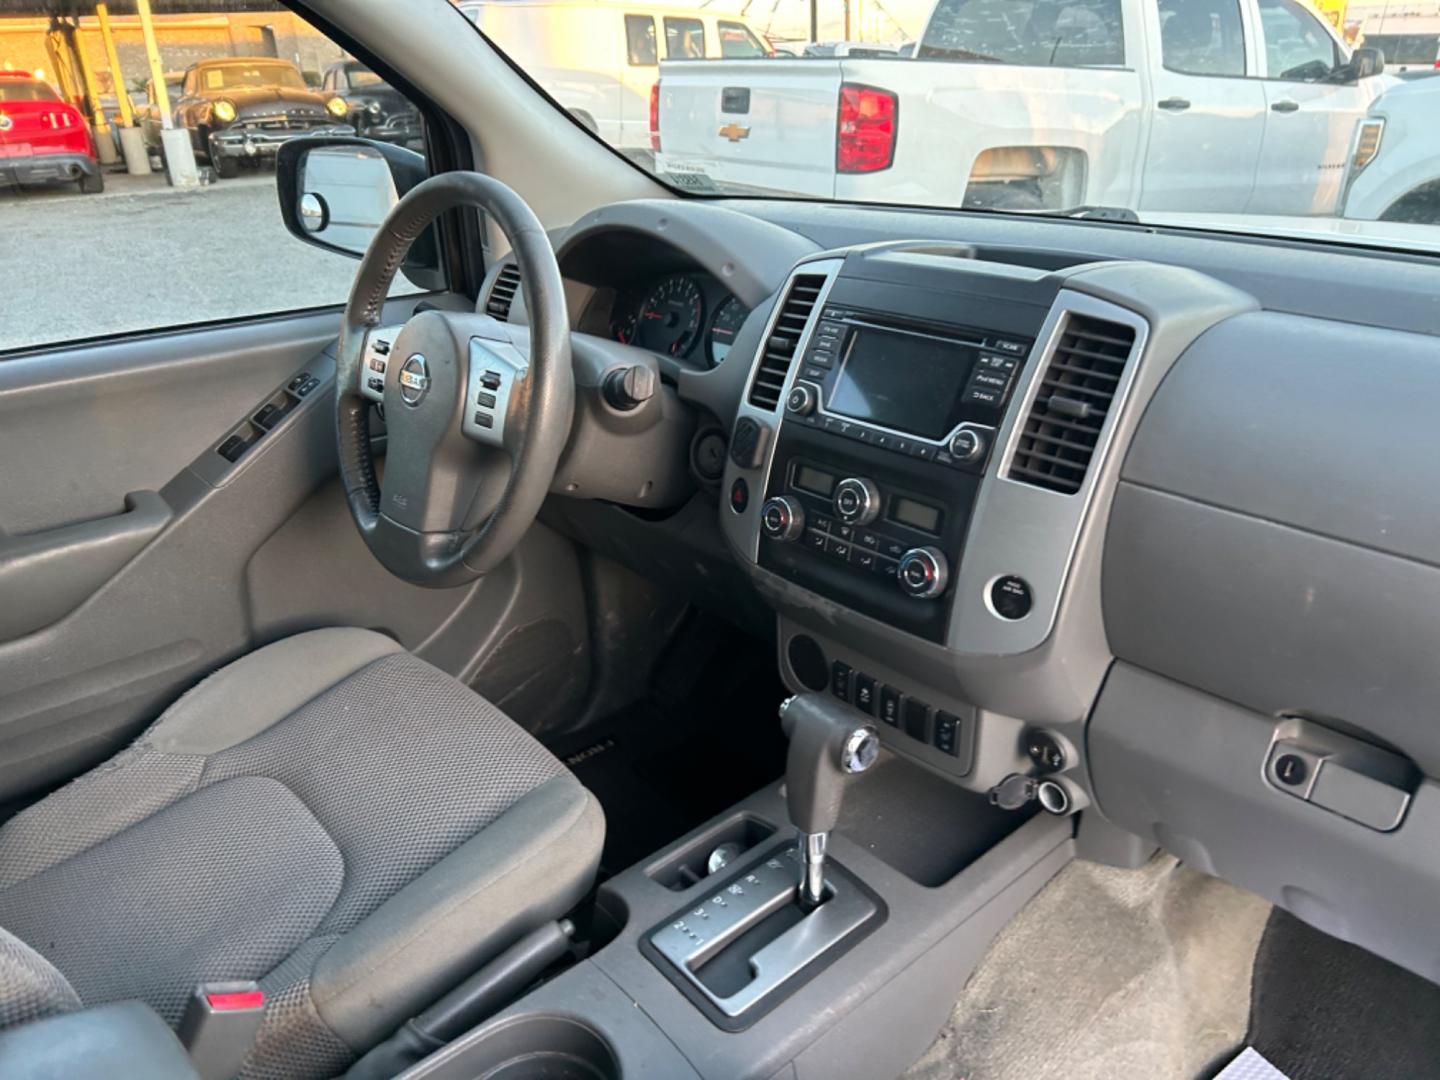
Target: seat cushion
[{"x": 329, "y": 815}]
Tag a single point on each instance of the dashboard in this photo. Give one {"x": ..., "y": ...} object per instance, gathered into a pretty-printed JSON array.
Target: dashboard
[{"x": 1064, "y": 499}]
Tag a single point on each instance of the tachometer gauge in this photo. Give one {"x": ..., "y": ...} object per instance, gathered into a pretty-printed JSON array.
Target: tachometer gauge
[
  {"x": 728, "y": 320},
  {"x": 671, "y": 317}
]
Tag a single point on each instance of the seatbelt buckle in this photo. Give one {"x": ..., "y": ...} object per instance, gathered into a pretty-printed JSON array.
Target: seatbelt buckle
[{"x": 220, "y": 1024}]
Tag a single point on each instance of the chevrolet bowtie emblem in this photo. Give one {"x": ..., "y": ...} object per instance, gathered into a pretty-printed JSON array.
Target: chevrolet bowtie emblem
[{"x": 734, "y": 132}]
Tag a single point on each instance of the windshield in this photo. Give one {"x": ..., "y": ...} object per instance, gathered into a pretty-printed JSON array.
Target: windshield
[
  {"x": 362, "y": 76},
  {"x": 1269, "y": 117},
  {"x": 25, "y": 90},
  {"x": 230, "y": 76}
]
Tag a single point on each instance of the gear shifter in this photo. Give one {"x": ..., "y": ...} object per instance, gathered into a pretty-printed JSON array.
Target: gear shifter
[{"x": 829, "y": 745}]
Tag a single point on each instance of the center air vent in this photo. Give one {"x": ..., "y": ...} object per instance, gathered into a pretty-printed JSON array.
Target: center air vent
[
  {"x": 1059, "y": 436},
  {"x": 502, "y": 293},
  {"x": 779, "y": 351}
]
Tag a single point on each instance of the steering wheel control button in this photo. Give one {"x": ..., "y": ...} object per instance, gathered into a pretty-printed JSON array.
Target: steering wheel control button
[
  {"x": 857, "y": 500},
  {"x": 484, "y": 420},
  {"x": 923, "y": 572},
  {"x": 490, "y": 380},
  {"x": 1011, "y": 597},
  {"x": 739, "y": 495},
  {"x": 967, "y": 446},
  {"x": 783, "y": 518},
  {"x": 801, "y": 401}
]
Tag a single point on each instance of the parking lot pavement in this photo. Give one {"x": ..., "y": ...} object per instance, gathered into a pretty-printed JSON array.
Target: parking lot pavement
[{"x": 143, "y": 255}]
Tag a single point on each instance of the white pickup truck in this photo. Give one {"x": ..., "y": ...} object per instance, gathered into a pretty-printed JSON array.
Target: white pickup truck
[{"x": 1211, "y": 106}]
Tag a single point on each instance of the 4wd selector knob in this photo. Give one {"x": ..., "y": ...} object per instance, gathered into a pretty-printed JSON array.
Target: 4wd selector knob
[
  {"x": 783, "y": 518},
  {"x": 857, "y": 500},
  {"x": 923, "y": 572}
]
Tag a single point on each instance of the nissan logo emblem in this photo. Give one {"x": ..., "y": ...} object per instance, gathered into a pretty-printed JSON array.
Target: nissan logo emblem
[{"x": 414, "y": 380}]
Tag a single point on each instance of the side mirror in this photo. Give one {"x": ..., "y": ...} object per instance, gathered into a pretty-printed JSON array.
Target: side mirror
[
  {"x": 336, "y": 191},
  {"x": 1364, "y": 63}
]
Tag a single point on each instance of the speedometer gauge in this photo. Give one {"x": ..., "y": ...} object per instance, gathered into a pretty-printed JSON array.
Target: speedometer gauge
[
  {"x": 671, "y": 317},
  {"x": 728, "y": 320}
]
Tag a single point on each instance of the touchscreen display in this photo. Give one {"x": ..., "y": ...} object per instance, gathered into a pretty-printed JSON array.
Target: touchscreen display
[{"x": 902, "y": 381}]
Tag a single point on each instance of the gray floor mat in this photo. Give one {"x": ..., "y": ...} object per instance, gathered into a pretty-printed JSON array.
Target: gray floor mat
[{"x": 1109, "y": 974}]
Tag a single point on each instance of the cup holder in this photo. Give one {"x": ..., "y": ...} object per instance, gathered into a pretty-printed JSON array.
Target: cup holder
[{"x": 540, "y": 1048}]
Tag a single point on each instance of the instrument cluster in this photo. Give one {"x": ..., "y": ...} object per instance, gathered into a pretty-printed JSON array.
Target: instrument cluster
[{"x": 688, "y": 316}]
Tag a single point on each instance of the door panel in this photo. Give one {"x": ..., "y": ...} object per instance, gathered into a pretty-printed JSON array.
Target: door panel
[
  {"x": 1207, "y": 117},
  {"x": 244, "y": 553}
]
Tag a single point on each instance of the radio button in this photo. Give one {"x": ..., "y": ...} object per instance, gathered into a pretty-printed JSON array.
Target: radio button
[
  {"x": 857, "y": 500},
  {"x": 967, "y": 445},
  {"x": 923, "y": 451},
  {"x": 814, "y": 373},
  {"x": 819, "y": 358},
  {"x": 994, "y": 379},
  {"x": 1015, "y": 348},
  {"x": 801, "y": 401},
  {"x": 983, "y": 395},
  {"x": 1004, "y": 364}
]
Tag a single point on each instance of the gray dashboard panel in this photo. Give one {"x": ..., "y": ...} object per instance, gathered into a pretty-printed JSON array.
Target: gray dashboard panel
[
  {"x": 1322, "y": 425},
  {"x": 1275, "y": 618},
  {"x": 1185, "y": 769}
]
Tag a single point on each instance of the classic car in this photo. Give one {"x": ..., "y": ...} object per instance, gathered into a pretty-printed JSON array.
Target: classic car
[
  {"x": 373, "y": 107},
  {"x": 42, "y": 138},
  {"x": 239, "y": 110}
]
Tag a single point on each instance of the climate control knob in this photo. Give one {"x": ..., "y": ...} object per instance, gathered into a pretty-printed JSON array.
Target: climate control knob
[
  {"x": 923, "y": 572},
  {"x": 783, "y": 518},
  {"x": 801, "y": 401},
  {"x": 857, "y": 500}
]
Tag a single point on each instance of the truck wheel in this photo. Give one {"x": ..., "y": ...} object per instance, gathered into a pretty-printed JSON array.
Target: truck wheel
[
  {"x": 226, "y": 167},
  {"x": 92, "y": 184}
]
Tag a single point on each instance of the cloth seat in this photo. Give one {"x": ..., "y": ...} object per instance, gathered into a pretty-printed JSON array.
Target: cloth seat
[{"x": 329, "y": 815}]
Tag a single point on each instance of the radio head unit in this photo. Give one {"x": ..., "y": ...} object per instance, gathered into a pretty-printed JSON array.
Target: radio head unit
[{"x": 887, "y": 430}]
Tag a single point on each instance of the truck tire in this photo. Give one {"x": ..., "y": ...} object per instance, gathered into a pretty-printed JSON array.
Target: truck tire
[
  {"x": 92, "y": 184},
  {"x": 226, "y": 167}
]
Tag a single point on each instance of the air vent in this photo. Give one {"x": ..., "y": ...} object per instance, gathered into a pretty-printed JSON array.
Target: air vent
[
  {"x": 1075, "y": 395},
  {"x": 779, "y": 351},
  {"x": 502, "y": 293}
]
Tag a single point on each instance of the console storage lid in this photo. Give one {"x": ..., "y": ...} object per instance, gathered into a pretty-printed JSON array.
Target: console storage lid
[{"x": 125, "y": 1040}]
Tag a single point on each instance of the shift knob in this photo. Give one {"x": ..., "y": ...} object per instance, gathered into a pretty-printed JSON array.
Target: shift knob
[{"x": 829, "y": 744}]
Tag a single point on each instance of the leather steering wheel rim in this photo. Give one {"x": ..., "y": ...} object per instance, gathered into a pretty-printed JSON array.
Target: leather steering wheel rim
[{"x": 542, "y": 406}]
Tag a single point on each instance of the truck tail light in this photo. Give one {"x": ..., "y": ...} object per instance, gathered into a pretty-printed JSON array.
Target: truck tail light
[
  {"x": 655, "y": 116},
  {"x": 867, "y": 124}
]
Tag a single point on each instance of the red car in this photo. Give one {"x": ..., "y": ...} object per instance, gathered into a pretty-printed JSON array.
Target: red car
[{"x": 43, "y": 138}]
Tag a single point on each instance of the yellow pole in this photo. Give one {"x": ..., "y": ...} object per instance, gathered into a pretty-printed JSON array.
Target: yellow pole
[
  {"x": 157, "y": 69},
  {"x": 122, "y": 97},
  {"x": 92, "y": 91}
]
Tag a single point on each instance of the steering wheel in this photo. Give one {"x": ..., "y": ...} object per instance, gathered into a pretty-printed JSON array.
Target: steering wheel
[{"x": 477, "y": 412}]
